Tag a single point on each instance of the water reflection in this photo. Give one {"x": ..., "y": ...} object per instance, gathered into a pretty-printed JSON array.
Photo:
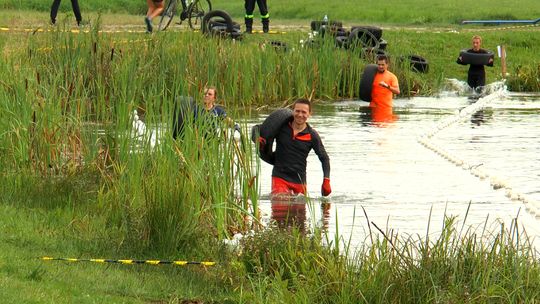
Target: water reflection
[
  {"x": 291, "y": 212},
  {"x": 376, "y": 116},
  {"x": 481, "y": 116}
]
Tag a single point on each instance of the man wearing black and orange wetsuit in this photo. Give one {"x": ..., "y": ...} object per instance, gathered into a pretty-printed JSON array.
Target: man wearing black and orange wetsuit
[{"x": 295, "y": 140}]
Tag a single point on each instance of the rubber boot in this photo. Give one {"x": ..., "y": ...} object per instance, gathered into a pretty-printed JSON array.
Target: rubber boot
[
  {"x": 249, "y": 25},
  {"x": 266, "y": 25}
]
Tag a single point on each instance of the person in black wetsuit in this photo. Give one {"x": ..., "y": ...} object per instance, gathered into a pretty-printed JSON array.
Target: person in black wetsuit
[
  {"x": 476, "y": 77},
  {"x": 74, "y": 5},
  {"x": 294, "y": 141}
]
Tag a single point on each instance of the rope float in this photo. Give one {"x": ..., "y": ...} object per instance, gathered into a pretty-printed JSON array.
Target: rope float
[
  {"x": 130, "y": 262},
  {"x": 532, "y": 206}
]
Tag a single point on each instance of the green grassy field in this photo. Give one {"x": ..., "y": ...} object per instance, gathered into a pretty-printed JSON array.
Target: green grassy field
[{"x": 410, "y": 12}]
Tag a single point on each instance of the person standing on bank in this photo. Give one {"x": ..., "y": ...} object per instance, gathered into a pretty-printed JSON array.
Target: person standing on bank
[
  {"x": 265, "y": 16},
  {"x": 294, "y": 141},
  {"x": 74, "y": 5},
  {"x": 476, "y": 77},
  {"x": 155, "y": 7},
  {"x": 385, "y": 85}
]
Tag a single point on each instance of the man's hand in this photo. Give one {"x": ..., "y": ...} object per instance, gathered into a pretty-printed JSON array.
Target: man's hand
[
  {"x": 384, "y": 84},
  {"x": 325, "y": 188}
]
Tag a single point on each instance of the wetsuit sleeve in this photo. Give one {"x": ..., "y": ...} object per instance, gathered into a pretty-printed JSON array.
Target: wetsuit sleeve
[
  {"x": 318, "y": 147},
  {"x": 267, "y": 156}
]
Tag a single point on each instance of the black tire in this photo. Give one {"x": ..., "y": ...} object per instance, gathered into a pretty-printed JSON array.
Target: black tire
[
  {"x": 236, "y": 34},
  {"x": 383, "y": 44},
  {"x": 212, "y": 15},
  {"x": 418, "y": 63},
  {"x": 271, "y": 125},
  {"x": 316, "y": 25},
  {"x": 476, "y": 58},
  {"x": 185, "y": 109},
  {"x": 269, "y": 129},
  {"x": 167, "y": 15},
  {"x": 342, "y": 41},
  {"x": 196, "y": 12},
  {"x": 341, "y": 32},
  {"x": 366, "y": 82},
  {"x": 279, "y": 46},
  {"x": 222, "y": 22},
  {"x": 255, "y": 131},
  {"x": 360, "y": 37},
  {"x": 376, "y": 31}
]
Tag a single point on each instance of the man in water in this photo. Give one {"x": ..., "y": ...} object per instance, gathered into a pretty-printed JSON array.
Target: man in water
[
  {"x": 476, "y": 77},
  {"x": 294, "y": 141},
  {"x": 385, "y": 85}
]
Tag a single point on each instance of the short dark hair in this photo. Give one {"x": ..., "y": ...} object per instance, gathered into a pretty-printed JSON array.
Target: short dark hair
[
  {"x": 302, "y": 101},
  {"x": 382, "y": 57}
]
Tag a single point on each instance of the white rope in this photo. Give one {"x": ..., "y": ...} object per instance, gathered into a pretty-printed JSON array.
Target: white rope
[{"x": 532, "y": 206}]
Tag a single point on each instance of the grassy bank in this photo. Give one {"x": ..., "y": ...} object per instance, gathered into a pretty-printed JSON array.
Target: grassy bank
[
  {"x": 415, "y": 12},
  {"x": 469, "y": 266}
]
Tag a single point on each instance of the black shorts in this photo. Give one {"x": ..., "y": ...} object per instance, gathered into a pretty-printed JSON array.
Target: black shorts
[{"x": 157, "y": 1}]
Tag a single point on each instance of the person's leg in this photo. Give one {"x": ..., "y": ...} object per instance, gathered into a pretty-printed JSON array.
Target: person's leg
[
  {"x": 471, "y": 80},
  {"x": 157, "y": 9},
  {"x": 76, "y": 11},
  {"x": 54, "y": 10},
  {"x": 265, "y": 16},
  {"x": 281, "y": 186},
  {"x": 147, "y": 19},
  {"x": 249, "y": 5}
]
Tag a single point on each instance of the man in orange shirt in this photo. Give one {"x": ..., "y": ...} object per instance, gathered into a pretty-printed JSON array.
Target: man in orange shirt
[{"x": 385, "y": 85}]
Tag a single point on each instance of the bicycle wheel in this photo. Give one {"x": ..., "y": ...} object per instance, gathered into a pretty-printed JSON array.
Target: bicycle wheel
[
  {"x": 196, "y": 12},
  {"x": 167, "y": 15}
]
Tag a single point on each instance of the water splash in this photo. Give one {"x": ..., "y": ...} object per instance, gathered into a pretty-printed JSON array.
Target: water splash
[{"x": 140, "y": 132}]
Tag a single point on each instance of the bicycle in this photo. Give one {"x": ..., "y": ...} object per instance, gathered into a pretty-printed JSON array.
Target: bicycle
[{"x": 192, "y": 10}]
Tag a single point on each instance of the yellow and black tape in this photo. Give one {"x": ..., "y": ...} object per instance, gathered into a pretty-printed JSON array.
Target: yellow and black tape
[{"x": 130, "y": 262}]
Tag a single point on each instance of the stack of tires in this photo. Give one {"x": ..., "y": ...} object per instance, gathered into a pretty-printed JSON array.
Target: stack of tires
[
  {"x": 366, "y": 38},
  {"x": 218, "y": 23}
]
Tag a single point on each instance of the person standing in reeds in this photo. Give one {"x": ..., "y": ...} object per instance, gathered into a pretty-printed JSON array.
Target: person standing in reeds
[
  {"x": 249, "y": 5},
  {"x": 74, "y": 5},
  {"x": 155, "y": 7},
  {"x": 476, "y": 76}
]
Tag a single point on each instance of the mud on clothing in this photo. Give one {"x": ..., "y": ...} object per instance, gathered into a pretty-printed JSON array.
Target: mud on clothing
[
  {"x": 476, "y": 77},
  {"x": 380, "y": 96},
  {"x": 290, "y": 157}
]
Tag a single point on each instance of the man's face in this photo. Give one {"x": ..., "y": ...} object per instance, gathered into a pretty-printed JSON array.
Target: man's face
[
  {"x": 381, "y": 66},
  {"x": 476, "y": 43},
  {"x": 301, "y": 113},
  {"x": 209, "y": 96}
]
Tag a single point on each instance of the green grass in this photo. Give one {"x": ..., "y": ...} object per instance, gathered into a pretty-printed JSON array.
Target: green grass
[{"x": 417, "y": 12}]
